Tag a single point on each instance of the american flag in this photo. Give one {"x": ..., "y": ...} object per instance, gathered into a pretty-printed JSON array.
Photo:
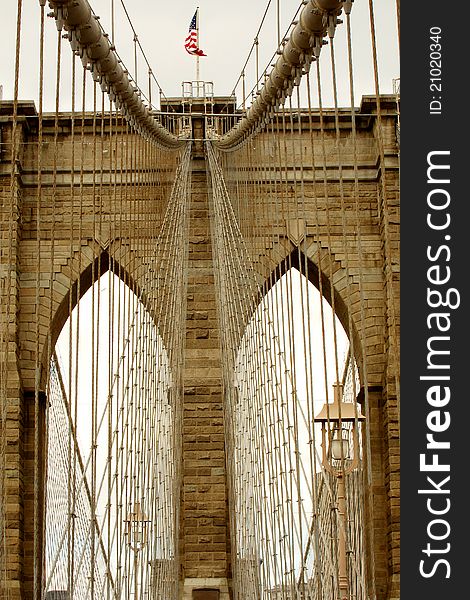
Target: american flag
[{"x": 191, "y": 42}]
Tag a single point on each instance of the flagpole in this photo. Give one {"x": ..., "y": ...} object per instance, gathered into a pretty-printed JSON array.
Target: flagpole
[{"x": 197, "y": 31}]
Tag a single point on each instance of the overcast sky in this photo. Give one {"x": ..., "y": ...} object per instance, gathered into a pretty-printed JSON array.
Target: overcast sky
[{"x": 227, "y": 31}]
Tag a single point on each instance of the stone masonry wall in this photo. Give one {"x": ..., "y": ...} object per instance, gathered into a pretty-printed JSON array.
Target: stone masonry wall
[
  {"x": 204, "y": 508},
  {"x": 204, "y": 548}
]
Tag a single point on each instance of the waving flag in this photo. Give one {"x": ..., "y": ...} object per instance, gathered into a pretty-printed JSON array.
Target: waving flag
[{"x": 191, "y": 42}]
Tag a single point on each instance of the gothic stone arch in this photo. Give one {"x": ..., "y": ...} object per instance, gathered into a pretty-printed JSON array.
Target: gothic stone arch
[{"x": 378, "y": 261}]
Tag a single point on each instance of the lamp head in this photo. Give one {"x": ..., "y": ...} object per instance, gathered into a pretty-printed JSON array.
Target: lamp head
[
  {"x": 335, "y": 438},
  {"x": 137, "y": 523},
  {"x": 340, "y": 444},
  {"x": 336, "y": 411}
]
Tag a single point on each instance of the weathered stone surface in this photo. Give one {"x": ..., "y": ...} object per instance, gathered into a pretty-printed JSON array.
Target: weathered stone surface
[
  {"x": 72, "y": 242},
  {"x": 204, "y": 508}
]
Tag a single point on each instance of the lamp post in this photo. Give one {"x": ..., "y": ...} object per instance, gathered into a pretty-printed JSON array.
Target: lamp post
[
  {"x": 340, "y": 459},
  {"x": 136, "y": 530}
]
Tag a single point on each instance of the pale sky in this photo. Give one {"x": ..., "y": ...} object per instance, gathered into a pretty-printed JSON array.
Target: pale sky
[{"x": 227, "y": 31}]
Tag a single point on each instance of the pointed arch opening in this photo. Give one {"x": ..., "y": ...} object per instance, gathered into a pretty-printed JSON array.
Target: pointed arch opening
[
  {"x": 112, "y": 446},
  {"x": 291, "y": 363},
  {"x": 334, "y": 301}
]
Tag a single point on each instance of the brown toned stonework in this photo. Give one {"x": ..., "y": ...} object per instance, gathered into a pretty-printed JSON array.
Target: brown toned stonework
[
  {"x": 204, "y": 535},
  {"x": 205, "y": 517}
]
